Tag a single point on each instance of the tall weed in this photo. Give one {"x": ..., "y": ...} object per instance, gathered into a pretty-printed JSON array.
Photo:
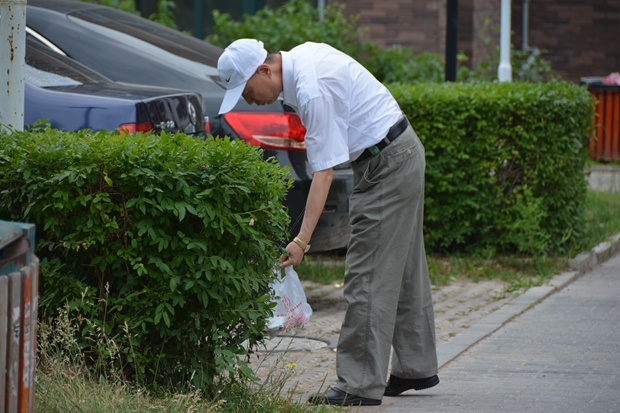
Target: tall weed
[{"x": 67, "y": 382}]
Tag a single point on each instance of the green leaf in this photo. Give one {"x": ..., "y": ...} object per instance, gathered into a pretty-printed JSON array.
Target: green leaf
[
  {"x": 181, "y": 210},
  {"x": 174, "y": 282}
]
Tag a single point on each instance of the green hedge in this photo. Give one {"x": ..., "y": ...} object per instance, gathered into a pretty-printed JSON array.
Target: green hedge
[
  {"x": 163, "y": 244},
  {"x": 505, "y": 163}
]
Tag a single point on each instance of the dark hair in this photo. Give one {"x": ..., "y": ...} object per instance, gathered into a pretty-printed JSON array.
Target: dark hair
[{"x": 269, "y": 58}]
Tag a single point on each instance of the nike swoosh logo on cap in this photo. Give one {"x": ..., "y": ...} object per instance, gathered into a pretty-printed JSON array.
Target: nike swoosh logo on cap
[{"x": 228, "y": 80}]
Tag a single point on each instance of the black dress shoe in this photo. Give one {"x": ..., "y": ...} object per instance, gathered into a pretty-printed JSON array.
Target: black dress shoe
[
  {"x": 397, "y": 385},
  {"x": 337, "y": 397}
]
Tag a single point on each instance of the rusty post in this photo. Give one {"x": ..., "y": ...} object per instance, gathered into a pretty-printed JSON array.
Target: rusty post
[
  {"x": 12, "y": 63},
  {"x": 19, "y": 277},
  {"x": 25, "y": 342},
  {"x": 15, "y": 332},
  {"x": 4, "y": 314}
]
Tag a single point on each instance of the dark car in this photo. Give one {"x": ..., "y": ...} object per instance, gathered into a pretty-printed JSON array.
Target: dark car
[
  {"x": 129, "y": 48},
  {"x": 71, "y": 96}
]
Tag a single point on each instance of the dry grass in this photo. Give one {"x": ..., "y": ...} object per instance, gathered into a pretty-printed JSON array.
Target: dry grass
[{"x": 66, "y": 382}]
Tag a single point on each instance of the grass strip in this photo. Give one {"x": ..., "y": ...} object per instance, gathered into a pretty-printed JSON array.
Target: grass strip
[{"x": 520, "y": 273}]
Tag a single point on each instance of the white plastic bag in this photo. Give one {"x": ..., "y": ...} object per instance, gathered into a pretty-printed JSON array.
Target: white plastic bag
[{"x": 292, "y": 308}]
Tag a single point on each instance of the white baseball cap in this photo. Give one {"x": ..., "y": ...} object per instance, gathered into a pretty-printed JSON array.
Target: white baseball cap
[{"x": 236, "y": 66}]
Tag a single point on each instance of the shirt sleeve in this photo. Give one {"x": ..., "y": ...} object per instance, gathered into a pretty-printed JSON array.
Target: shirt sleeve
[{"x": 326, "y": 133}]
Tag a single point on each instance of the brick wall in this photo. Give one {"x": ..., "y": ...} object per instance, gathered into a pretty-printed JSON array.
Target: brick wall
[
  {"x": 582, "y": 38},
  {"x": 486, "y": 19},
  {"x": 419, "y": 24},
  {"x": 466, "y": 28}
]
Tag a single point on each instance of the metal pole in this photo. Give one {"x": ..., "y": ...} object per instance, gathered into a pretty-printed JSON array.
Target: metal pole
[
  {"x": 321, "y": 7},
  {"x": 452, "y": 18},
  {"x": 198, "y": 19},
  {"x": 504, "y": 71},
  {"x": 526, "y": 24},
  {"x": 12, "y": 63},
  {"x": 249, "y": 7}
]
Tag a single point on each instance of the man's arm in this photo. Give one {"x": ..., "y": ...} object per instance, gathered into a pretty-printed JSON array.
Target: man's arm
[{"x": 319, "y": 188}]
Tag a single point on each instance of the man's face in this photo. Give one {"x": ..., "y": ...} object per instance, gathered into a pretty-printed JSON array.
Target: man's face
[{"x": 261, "y": 89}]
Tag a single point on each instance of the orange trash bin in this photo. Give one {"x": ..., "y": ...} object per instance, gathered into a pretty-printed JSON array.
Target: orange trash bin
[{"x": 605, "y": 145}]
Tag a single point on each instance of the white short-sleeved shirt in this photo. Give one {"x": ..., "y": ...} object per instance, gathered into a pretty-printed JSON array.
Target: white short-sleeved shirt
[{"x": 342, "y": 106}]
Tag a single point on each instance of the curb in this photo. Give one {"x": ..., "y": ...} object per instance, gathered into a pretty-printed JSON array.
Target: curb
[
  {"x": 580, "y": 264},
  {"x": 586, "y": 261}
]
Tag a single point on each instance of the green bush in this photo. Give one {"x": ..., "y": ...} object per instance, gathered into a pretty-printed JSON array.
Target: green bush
[
  {"x": 399, "y": 64},
  {"x": 505, "y": 163},
  {"x": 164, "y": 244},
  {"x": 527, "y": 65},
  {"x": 297, "y": 21},
  {"x": 287, "y": 26}
]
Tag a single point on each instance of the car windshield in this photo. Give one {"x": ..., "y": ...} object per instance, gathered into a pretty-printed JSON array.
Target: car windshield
[{"x": 44, "y": 68}]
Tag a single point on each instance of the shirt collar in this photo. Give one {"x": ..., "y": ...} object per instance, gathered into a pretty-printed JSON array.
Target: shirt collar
[{"x": 288, "y": 80}]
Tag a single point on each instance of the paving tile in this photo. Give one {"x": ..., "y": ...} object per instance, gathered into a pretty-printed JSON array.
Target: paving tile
[{"x": 562, "y": 355}]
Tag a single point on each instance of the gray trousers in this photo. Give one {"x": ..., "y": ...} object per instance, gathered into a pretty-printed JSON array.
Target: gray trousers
[{"x": 386, "y": 283}]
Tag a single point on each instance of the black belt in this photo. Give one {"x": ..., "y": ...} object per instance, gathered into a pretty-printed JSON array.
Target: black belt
[{"x": 394, "y": 132}]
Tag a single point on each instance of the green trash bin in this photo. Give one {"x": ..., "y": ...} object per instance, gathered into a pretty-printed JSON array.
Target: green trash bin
[{"x": 19, "y": 295}]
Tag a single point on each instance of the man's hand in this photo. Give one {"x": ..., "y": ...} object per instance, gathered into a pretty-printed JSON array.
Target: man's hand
[{"x": 295, "y": 255}]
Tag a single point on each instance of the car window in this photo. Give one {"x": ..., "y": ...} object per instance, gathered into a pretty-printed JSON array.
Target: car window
[
  {"x": 170, "y": 40},
  {"x": 44, "y": 68},
  {"x": 152, "y": 51}
]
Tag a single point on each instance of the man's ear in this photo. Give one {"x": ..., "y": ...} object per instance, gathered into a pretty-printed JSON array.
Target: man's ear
[{"x": 264, "y": 69}]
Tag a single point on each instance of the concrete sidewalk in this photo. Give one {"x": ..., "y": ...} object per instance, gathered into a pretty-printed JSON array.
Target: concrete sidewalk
[
  {"x": 562, "y": 355},
  {"x": 468, "y": 317},
  {"x": 520, "y": 372}
]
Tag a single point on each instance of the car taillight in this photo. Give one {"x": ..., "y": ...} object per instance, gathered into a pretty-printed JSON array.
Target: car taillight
[
  {"x": 269, "y": 130},
  {"x": 135, "y": 127},
  {"x": 207, "y": 126}
]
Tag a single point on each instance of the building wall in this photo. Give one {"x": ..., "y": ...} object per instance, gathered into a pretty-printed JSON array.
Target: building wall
[
  {"x": 414, "y": 23},
  {"x": 581, "y": 37},
  {"x": 486, "y": 20},
  {"x": 421, "y": 24},
  {"x": 466, "y": 28}
]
